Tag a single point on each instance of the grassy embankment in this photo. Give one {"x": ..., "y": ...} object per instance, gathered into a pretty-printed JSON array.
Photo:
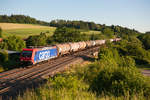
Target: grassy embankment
[{"x": 71, "y": 85}]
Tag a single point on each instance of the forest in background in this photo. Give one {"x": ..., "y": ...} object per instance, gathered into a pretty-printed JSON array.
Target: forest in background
[{"x": 21, "y": 19}]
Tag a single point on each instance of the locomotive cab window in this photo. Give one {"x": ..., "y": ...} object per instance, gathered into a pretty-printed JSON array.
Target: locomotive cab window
[{"x": 26, "y": 54}]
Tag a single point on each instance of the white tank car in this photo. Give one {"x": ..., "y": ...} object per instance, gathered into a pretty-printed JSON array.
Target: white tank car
[
  {"x": 93, "y": 43},
  {"x": 63, "y": 48},
  {"x": 88, "y": 44},
  {"x": 103, "y": 41},
  {"x": 82, "y": 45},
  {"x": 74, "y": 46},
  {"x": 100, "y": 42},
  {"x": 111, "y": 40},
  {"x": 117, "y": 39}
]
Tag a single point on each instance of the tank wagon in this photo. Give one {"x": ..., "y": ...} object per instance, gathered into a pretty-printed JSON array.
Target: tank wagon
[
  {"x": 117, "y": 39},
  {"x": 111, "y": 40},
  {"x": 63, "y": 48},
  {"x": 88, "y": 44},
  {"x": 35, "y": 55},
  {"x": 74, "y": 46},
  {"x": 100, "y": 42},
  {"x": 82, "y": 45}
]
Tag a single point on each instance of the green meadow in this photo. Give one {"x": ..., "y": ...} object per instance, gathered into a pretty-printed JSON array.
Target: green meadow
[
  {"x": 25, "y": 30},
  {"x": 24, "y": 33}
]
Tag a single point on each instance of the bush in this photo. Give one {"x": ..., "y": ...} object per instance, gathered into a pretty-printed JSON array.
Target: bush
[
  {"x": 133, "y": 48},
  {"x": 65, "y": 81},
  {"x": 108, "y": 32},
  {"x": 94, "y": 69},
  {"x": 97, "y": 36},
  {"x": 119, "y": 81},
  {"x": 37, "y": 40},
  {"x": 138, "y": 53},
  {"x": 1, "y": 69},
  {"x": 3, "y": 56},
  {"x": 67, "y": 35},
  {"x": 50, "y": 41},
  {"x": 116, "y": 75},
  {"x": 145, "y": 38},
  {"x": 127, "y": 61},
  {"x": 13, "y": 43},
  {"x": 91, "y": 72},
  {"x": 112, "y": 56}
]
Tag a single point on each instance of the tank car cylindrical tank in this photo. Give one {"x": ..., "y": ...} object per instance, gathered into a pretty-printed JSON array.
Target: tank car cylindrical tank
[
  {"x": 117, "y": 39},
  {"x": 111, "y": 40},
  {"x": 82, "y": 45},
  {"x": 103, "y": 41},
  {"x": 100, "y": 42},
  {"x": 96, "y": 42},
  {"x": 74, "y": 47},
  {"x": 88, "y": 44},
  {"x": 63, "y": 48},
  {"x": 93, "y": 43}
]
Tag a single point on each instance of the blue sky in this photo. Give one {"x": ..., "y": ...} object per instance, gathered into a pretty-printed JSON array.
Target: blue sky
[{"x": 128, "y": 13}]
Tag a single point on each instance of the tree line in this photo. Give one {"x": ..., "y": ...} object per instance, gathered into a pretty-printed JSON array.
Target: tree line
[
  {"x": 75, "y": 24},
  {"x": 91, "y": 26},
  {"x": 21, "y": 19}
]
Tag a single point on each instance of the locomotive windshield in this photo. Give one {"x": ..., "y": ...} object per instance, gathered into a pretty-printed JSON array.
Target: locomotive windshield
[{"x": 26, "y": 54}]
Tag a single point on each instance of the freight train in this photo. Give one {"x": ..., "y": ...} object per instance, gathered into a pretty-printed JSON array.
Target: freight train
[{"x": 36, "y": 55}]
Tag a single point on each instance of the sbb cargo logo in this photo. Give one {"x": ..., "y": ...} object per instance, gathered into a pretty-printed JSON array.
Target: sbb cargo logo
[{"x": 44, "y": 55}]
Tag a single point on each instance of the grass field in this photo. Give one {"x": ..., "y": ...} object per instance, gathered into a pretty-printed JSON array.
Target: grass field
[
  {"x": 25, "y": 30},
  {"x": 91, "y": 32}
]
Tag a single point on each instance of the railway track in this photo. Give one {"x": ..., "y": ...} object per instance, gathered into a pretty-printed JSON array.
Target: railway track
[{"x": 13, "y": 80}]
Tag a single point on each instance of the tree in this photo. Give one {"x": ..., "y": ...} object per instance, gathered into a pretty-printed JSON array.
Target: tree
[
  {"x": 96, "y": 36},
  {"x": 37, "y": 40},
  {"x": 147, "y": 32},
  {"x": 3, "y": 56},
  {"x": 21, "y": 19},
  {"x": 145, "y": 38},
  {"x": 66, "y": 35},
  {"x": 108, "y": 32},
  {"x": 0, "y": 32},
  {"x": 13, "y": 43}
]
